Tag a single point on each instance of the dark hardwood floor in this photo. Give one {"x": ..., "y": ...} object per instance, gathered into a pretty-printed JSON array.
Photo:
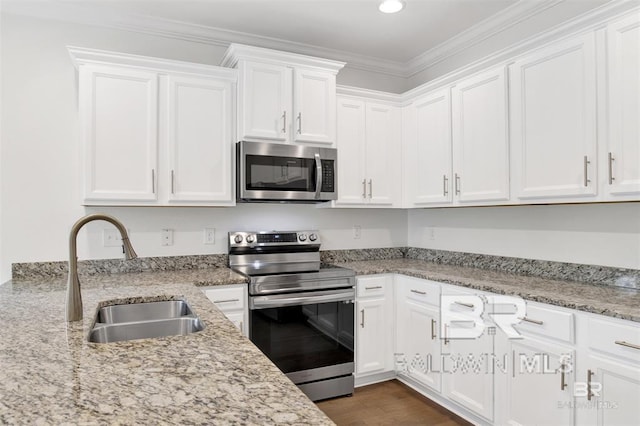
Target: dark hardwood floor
[{"x": 388, "y": 403}]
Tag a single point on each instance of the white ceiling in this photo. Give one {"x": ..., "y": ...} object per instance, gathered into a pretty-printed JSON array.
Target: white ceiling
[{"x": 349, "y": 30}]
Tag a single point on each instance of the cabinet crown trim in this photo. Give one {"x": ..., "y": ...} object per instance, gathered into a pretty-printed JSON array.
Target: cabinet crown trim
[
  {"x": 237, "y": 52},
  {"x": 84, "y": 56}
]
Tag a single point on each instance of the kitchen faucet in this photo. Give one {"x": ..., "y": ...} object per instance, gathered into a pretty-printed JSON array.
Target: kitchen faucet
[{"x": 74, "y": 298}]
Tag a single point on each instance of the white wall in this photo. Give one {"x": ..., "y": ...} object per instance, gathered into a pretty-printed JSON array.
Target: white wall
[
  {"x": 40, "y": 164},
  {"x": 598, "y": 234}
]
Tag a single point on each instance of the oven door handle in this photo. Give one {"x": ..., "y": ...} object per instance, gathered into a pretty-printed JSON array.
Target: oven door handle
[
  {"x": 308, "y": 298},
  {"x": 318, "y": 175}
]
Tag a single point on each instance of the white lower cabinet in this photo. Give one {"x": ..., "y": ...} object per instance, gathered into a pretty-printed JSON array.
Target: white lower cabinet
[
  {"x": 374, "y": 325},
  {"x": 563, "y": 367},
  {"x": 232, "y": 301}
]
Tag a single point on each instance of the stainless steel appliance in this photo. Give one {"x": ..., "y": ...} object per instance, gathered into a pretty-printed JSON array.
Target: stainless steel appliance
[
  {"x": 268, "y": 172},
  {"x": 301, "y": 312}
]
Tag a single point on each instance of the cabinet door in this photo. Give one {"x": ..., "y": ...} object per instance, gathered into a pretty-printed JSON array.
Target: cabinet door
[
  {"x": 431, "y": 179},
  {"x": 383, "y": 153},
  {"x": 314, "y": 107},
  {"x": 615, "y": 391},
  {"x": 553, "y": 120},
  {"x": 351, "y": 151},
  {"x": 372, "y": 350},
  {"x": 480, "y": 139},
  {"x": 535, "y": 391},
  {"x": 624, "y": 106},
  {"x": 199, "y": 140},
  {"x": 468, "y": 373},
  {"x": 119, "y": 116},
  {"x": 418, "y": 341},
  {"x": 264, "y": 101}
]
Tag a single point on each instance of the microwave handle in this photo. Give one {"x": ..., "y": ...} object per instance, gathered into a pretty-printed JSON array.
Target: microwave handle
[{"x": 318, "y": 175}]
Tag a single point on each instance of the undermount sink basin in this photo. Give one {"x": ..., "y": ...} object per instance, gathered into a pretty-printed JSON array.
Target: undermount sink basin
[{"x": 144, "y": 321}]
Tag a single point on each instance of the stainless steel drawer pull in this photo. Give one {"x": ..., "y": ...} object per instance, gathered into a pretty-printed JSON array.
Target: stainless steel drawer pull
[
  {"x": 364, "y": 188},
  {"x": 153, "y": 181},
  {"x": 373, "y": 288},
  {"x": 362, "y": 313},
  {"x": 445, "y": 186},
  {"x": 457, "y": 184},
  {"x": 611, "y": 160},
  {"x": 466, "y": 305},
  {"x": 370, "y": 188},
  {"x": 532, "y": 320},
  {"x": 590, "y": 374},
  {"x": 433, "y": 329},
  {"x": 226, "y": 301},
  {"x": 627, "y": 344},
  {"x": 586, "y": 171},
  {"x": 299, "y": 123},
  {"x": 172, "y": 180},
  {"x": 418, "y": 291}
]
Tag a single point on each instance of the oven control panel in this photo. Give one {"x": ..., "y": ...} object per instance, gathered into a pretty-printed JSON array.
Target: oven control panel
[{"x": 273, "y": 238}]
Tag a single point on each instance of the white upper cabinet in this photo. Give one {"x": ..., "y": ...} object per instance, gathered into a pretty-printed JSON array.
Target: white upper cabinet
[
  {"x": 284, "y": 97},
  {"x": 623, "y": 153},
  {"x": 155, "y": 132},
  {"x": 265, "y": 101},
  {"x": 198, "y": 134},
  {"x": 480, "y": 138},
  {"x": 369, "y": 152},
  {"x": 553, "y": 121},
  {"x": 119, "y": 115},
  {"x": 428, "y": 150}
]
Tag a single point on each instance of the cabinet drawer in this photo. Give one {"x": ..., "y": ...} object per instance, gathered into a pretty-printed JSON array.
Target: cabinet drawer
[
  {"x": 228, "y": 298},
  {"x": 548, "y": 323},
  {"x": 615, "y": 338},
  {"x": 371, "y": 286},
  {"x": 422, "y": 291}
]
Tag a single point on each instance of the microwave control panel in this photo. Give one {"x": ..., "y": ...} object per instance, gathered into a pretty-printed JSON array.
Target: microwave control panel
[{"x": 328, "y": 176}]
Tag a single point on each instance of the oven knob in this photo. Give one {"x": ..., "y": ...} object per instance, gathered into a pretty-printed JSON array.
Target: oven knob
[
  {"x": 238, "y": 239},
  {"x": 302, "y": 237},
  {"x": 250, "y": 238},
  {"x": 313, "y": 237}
]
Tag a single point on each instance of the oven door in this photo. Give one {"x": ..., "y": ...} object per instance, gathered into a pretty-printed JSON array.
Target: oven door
[
  {"x": 277, "y": 172},
  {"x": 309, "y": 336}
]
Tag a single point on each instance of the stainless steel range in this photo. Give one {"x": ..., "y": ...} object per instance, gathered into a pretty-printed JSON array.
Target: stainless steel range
[{"x": 301, "y": 311}]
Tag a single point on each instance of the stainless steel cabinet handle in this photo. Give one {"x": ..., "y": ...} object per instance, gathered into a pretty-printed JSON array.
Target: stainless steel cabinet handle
[
  {"x": 457, "y": 184},
  {"x": 433, "y": 329},
  {"x": 466, "y": 305},
  {"x": 362, "y": 313},
  {"x": 172, "y": 180},
  {"x": 445, "y": 186},
  {"x": 284, "y": 121},
  {"x": 370, "y": 188},
  {"x": 586, "y": 171},
  {"x": 563, "y": 383},
  {"x": 153, "y": 181},
  {"x": 373, "y": 288},
  {"x": 364, "y": 188},
  {"x": 226, "y": 300},
  {"x": 589, "y": 376},
  {"x": 532, "y": 320},
  {"x": 418, "y": 291},
  {"x": 611, "y": 160},
  {"x": 627, "y": 344},
  {"x": 299, "y": 122}
]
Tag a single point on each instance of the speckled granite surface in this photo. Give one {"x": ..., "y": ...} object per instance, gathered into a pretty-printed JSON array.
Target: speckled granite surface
[
  {"x": 605, "y": 300},
  {"x": 50, "y": 374}
]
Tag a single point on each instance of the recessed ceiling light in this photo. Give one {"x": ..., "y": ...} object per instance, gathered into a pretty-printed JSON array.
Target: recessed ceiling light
[{"x": 391, "y": 6}]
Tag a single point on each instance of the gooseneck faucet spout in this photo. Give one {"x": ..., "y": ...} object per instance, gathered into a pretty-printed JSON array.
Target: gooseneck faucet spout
[{"x": 74, "y": 298}]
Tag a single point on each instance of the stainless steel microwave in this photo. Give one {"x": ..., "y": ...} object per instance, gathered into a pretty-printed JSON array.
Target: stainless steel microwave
[{"x": 270, "y": 172}]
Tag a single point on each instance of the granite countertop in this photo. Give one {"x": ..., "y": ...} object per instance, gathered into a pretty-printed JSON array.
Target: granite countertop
[
  {"x": 599, "y": 299},
  {"x": 51, "y": 374}
]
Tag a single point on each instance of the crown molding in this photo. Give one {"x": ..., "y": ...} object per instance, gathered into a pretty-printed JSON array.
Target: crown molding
[
  {"x": 377, "y": 95},
  {"x": 237, "y": 52}
]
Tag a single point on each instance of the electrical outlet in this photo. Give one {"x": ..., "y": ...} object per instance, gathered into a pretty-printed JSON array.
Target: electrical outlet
[
  {"x": 167, "y": 237},
  {"x": 357, "y": 232},
  {"x": 111, "y": 238},
  {"x": 209, "y": 235}
]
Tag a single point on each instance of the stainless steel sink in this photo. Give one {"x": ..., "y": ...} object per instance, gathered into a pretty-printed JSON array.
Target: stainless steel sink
[
  {"x": 148, "y": 311},
  {"x": 144, "y": 321}
]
